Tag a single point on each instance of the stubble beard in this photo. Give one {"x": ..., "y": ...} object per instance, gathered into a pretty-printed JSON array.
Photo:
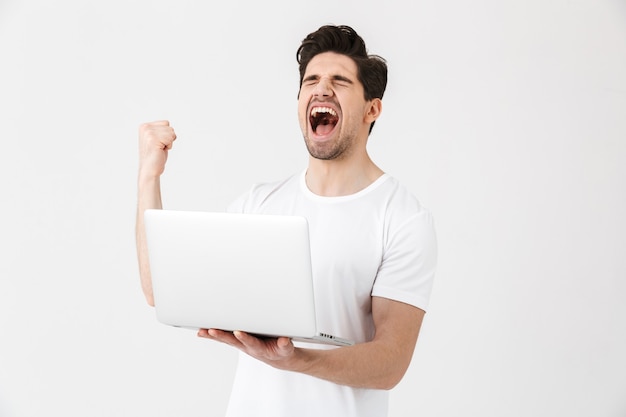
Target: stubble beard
[{"x": 331, "y": 150}]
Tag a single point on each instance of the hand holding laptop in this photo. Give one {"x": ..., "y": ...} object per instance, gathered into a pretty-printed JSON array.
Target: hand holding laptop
[{"x": 267, "y": 349}]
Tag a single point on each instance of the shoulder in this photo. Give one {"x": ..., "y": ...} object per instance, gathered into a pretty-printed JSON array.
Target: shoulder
[
  {"x": 402, "y": 204},
  {"x": 253, "y": 199}
]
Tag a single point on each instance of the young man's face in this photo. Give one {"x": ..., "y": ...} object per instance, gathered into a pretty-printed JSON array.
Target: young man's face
[{"x": 332, "y": 109}]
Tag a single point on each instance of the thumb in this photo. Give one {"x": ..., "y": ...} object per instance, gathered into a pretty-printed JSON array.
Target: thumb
[{"x": 284, "y": 344}]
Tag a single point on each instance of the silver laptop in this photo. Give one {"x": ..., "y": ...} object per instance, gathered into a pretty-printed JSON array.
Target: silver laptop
[{"x": 248, "y": 272}]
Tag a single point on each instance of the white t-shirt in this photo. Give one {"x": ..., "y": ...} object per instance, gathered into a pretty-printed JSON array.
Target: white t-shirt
[{"x": 377, "y": 242}]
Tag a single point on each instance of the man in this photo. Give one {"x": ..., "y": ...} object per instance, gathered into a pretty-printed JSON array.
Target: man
[{"x": 373, "y": 246}]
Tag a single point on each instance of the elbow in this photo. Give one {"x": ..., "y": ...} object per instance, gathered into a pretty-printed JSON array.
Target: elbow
[
  {"x": 149, "y": 299},
  {"x": 390, "y": 386},
  {"x": 147, "y": 293},
  {"x": 393, "y": 375},
  {"x": 146, "y": 288},
  {"x": 389, "y": 383}
]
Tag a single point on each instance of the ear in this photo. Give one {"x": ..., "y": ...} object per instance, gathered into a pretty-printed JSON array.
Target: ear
[{"x": 374, "y": 110}]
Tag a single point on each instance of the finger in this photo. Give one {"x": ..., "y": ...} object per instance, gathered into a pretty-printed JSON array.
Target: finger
[
  {"x": 170, "y": 134},
  {"x": 252, "y": 344},
  {"x": 224, "y": 337},
  {"x": 284, "y": 342},
  {"x": 164, "y": 137},
  {"x": 284, "y": 347},
  {"x": 150, "y": 125},
  {"x": 216, "y": 333},
  {"x": 251, "y": 340},
  {"x": 244, "y": 337},
  {"x": 212, "y": 334}
]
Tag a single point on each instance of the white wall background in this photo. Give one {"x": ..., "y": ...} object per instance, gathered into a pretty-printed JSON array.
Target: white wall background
[{"x": 507, "y": 119}]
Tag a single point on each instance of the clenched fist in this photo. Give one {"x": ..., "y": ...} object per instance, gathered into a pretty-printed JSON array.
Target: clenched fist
[{"x": 155, "y": 140}]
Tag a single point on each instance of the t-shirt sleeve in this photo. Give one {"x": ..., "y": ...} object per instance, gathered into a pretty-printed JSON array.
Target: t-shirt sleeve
[
  {"x": 249, "y": 201},
  {"x": 253, "y": 199},
  {"x": 407, "y": 270},
  {"x": 238, "y": 205}
]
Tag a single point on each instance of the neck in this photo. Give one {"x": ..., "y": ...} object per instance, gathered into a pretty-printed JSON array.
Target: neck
[{"x": 339, "y": 178}]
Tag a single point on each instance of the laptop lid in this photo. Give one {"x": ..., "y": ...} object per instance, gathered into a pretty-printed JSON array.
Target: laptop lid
[{"x": 248, "y": 272}]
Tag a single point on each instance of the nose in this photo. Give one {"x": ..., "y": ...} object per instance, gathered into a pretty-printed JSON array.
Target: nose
[{"x": 323, "y": 88}]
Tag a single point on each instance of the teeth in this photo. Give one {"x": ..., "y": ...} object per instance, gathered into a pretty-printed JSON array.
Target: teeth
[{"x": 316, "y": 110}]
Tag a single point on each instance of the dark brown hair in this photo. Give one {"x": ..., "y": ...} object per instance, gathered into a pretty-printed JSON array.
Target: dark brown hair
[{"x": 371, "y": 69}]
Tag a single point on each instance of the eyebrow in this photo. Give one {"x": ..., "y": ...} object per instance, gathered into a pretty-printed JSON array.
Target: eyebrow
[{"x": 334, "y": 77}]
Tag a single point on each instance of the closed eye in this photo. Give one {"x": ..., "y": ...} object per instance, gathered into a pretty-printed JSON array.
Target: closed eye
[
  {"x": 339, "y": 79},
  {"x": 311, "y": 80}
]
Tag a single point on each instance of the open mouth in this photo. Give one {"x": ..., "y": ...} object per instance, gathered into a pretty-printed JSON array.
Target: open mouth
[{"x": 323, "y": 120}]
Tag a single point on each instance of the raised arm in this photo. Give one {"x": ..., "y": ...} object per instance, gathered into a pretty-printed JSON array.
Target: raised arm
[{"x": 155, "y": 140}]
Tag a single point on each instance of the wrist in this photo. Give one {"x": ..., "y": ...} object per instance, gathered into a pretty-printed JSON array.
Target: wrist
[
  {"x": 148, "y": 192},
  {"x": 148, "y": 179},
  {"x": 301, "y": 361}
]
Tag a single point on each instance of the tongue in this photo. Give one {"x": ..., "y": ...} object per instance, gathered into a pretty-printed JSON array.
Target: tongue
[{"x": 324, "y": 129}]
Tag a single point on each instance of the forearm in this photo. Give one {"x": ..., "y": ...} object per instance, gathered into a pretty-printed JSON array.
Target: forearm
[
  {"x": 148, "y": 197},
  {"x": 378, "y": 364},
  {"x": 375, "y": 365}
]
